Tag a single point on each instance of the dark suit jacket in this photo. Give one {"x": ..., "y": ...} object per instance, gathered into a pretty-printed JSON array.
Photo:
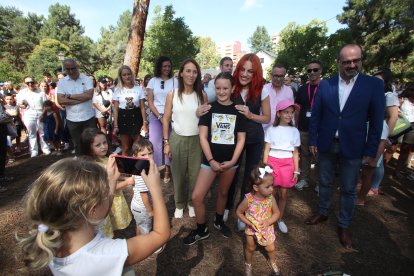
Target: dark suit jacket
[{"x": 366, "y": 103}]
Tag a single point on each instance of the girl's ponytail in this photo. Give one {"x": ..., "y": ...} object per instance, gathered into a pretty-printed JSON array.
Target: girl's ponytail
[{"x": 40, "y": 246}]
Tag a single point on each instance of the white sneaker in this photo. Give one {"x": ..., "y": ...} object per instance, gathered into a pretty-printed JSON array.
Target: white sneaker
[
  {"x": 33, "y": 154},
  {"x": 301, "y": 184},
  {"x": 179, "y": 213},
  {"x": 66, "y": 146},
  {"x": 46, "y": 152},
  {"x": 226, "y": 215},
  {"x": 240, "y": 225},
  {"x": 191, "y": 212},
  {"x": 282, "y": 227},
  {"x": 118, "y": 150},
  {"x": 73, "y": 152}
]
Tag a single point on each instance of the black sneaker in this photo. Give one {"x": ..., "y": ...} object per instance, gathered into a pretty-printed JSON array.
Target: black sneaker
[
  {"x": 194, "y": 237},
  {"x": 223, "y": 229}
]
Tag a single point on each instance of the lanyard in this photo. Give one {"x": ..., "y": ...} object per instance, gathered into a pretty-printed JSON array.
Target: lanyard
[{"x": 314, "y": 94}]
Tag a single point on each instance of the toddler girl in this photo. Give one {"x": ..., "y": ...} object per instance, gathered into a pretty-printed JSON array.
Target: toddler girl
[
  {"x": 94, "y": 143},
  {"x": 281, "y": 151},
  {"x": 259, "y": 212},
  {"x": 65, "y": 204},
  {"x": 51, "y": 125}
]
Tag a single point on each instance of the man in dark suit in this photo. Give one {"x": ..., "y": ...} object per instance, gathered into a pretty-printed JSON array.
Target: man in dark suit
[{"x": 339, "y": 133}]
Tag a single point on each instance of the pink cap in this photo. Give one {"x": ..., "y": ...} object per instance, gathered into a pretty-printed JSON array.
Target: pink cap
[{"x": 285, "y": 104}]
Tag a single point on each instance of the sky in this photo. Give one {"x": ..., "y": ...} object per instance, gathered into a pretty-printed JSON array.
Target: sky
[{"x": 222, "y": 20}]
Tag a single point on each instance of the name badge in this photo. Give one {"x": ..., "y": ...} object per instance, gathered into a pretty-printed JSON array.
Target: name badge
[{"x": 308, "y": 114}]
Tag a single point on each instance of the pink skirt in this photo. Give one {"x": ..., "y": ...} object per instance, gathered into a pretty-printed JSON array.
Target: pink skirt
[{"x": 283, "y": 169}]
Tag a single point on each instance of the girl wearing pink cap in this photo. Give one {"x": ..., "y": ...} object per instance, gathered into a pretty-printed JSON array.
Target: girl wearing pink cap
[{"x": 281, "y": 151}]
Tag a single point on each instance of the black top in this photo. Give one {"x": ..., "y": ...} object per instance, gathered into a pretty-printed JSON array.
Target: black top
[
  {"x": 302, "y": 98},
  {"x": 254, "y": 130},
  {"x": 223, "y": 122}
]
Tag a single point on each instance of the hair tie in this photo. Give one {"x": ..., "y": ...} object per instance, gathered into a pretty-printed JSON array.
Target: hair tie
[
  {"x": 42, "y": 228},
  {"x": 264, "y": 170}
]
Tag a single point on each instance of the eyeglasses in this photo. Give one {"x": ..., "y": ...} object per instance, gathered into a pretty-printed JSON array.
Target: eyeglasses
[
  {"x": 29, "y": 82},
  {"x": 162, "y": 84},
  {"x": 279, "y": 76},
  {"x": 313, "y": 70},
  {"x": 349, "y": 62},
  {"x": 70, "y": 69}
]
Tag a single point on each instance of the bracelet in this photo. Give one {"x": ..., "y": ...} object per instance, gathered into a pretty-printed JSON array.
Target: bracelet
[
  {"x": 165, "y": 141},
  {"x": 210, "y": 160},
  {"x": 296, "y": 173},
  {"x": 160, "y": 116}
]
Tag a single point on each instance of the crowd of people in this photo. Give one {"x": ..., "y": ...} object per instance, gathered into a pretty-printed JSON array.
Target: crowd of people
[{"x": 195, "y": 129}]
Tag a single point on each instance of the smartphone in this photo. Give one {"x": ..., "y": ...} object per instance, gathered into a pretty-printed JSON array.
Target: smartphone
[{"x": 131, "y": 164}]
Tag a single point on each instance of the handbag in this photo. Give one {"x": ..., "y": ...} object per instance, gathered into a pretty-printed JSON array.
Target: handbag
[
  {"x": 105, "y": 102},
  {"x": 402, "y": 126}
]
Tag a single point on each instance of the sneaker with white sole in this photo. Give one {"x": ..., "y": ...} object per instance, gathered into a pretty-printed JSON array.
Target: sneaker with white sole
[
  {"x": 226, "y": 215},
  {"x": 191, "y": 212},
  {"x": 301, "y": 184},
  {"x": 282, "y": 227},
  {"x": 66, "y": 146},
  {"x": 179, "y": 213},
  {"x": 194, "y": 236},
  {"x": 46, "y": 151},
  {"x": 224, "y": 229}
]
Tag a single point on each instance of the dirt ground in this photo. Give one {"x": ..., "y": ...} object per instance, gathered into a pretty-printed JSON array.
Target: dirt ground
[{"x": 382, "y": 234}]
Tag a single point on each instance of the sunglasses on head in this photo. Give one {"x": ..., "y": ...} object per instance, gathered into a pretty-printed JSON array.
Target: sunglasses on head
[
  {"x": 29, "y": 82},
  {"x": 162, "y": 84},
  {"x": 313, "y": 70}
]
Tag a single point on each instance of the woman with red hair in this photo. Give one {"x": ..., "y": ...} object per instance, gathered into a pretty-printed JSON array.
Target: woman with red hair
[{"x": 250, "y": 102}]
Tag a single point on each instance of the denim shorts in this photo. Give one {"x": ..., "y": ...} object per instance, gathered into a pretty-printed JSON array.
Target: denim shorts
[{"x": 142, "y": 220}]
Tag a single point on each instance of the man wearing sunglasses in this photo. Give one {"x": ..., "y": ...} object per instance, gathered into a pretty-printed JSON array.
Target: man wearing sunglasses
[
  {"x": 340, "y": 135},
  {"x": 305, "y": 98},
  {"x": 75, "y": 91}
]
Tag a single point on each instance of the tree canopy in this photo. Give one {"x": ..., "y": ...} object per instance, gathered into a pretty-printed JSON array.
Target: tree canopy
[{"x": 260, "y": 40}]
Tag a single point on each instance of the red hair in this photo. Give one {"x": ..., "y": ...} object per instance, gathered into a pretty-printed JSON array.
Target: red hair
[{"x": 256, "y": 86}]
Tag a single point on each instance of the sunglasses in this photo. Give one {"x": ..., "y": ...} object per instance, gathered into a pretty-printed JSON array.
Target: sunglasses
[
  {"x": 162, "y": 84},
  {"x": 29, "y": 82},
  {"x": 349, "y": 62},
  {"x": 278, "y": 76},
  {"x": 313, "y": 70},
  {"x": 70, "y": 69}
]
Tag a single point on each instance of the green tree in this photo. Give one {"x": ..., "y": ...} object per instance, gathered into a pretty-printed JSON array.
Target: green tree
[
  {"x": 260, "y": 40},
  {"x": 45, "y": 57},
  {"x": 62, "y": 25},
  {"x": 169, "y": 36},
  {"x": 384, "y": 29},
  {"x": 207, "y": 57},
  {"x": 300, "y": 44},
  {"x": 111, "y": 45},
  {"x": 18, "y": 36}
]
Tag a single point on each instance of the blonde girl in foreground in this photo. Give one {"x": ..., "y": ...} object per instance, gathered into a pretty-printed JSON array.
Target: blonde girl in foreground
[{"x": 64, "y": 206}]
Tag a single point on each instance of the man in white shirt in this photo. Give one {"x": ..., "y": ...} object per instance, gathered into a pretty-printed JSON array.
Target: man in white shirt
[{"x": 75, "y": 91}]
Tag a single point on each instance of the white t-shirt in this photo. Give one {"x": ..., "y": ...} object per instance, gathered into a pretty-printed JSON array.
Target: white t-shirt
[
  {"x": 184, "y": 118},
  {"x": 160, "y": 95},
  {"x": 128, "y": 98},
  {"x": 139, "y": 187},
  {"x": 407, "y": 108},
  {"x": 35, "y": 99},
  {"x": 97, "y": 99},
  {"x": 82, "y": 111},
  {"x": 101, "y": 256},
  {"x": 282, "y": 140}
]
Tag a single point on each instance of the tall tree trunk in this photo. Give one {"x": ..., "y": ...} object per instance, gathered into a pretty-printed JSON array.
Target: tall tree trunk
[{"x": 136, "y": 35}]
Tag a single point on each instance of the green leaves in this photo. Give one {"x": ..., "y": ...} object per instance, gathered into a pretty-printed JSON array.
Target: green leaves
[{"x": 260, "y": 40}]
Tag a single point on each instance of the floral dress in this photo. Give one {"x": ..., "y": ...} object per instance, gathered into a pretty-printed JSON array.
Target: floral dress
[
  {"x": 119, "y": 216},
  {"x": 257, "y": 211}
]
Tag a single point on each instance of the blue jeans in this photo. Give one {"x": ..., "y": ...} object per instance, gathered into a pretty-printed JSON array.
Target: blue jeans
[
  {"x": 378, "y": 176},
  {"x": 349, "y": 170}
]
